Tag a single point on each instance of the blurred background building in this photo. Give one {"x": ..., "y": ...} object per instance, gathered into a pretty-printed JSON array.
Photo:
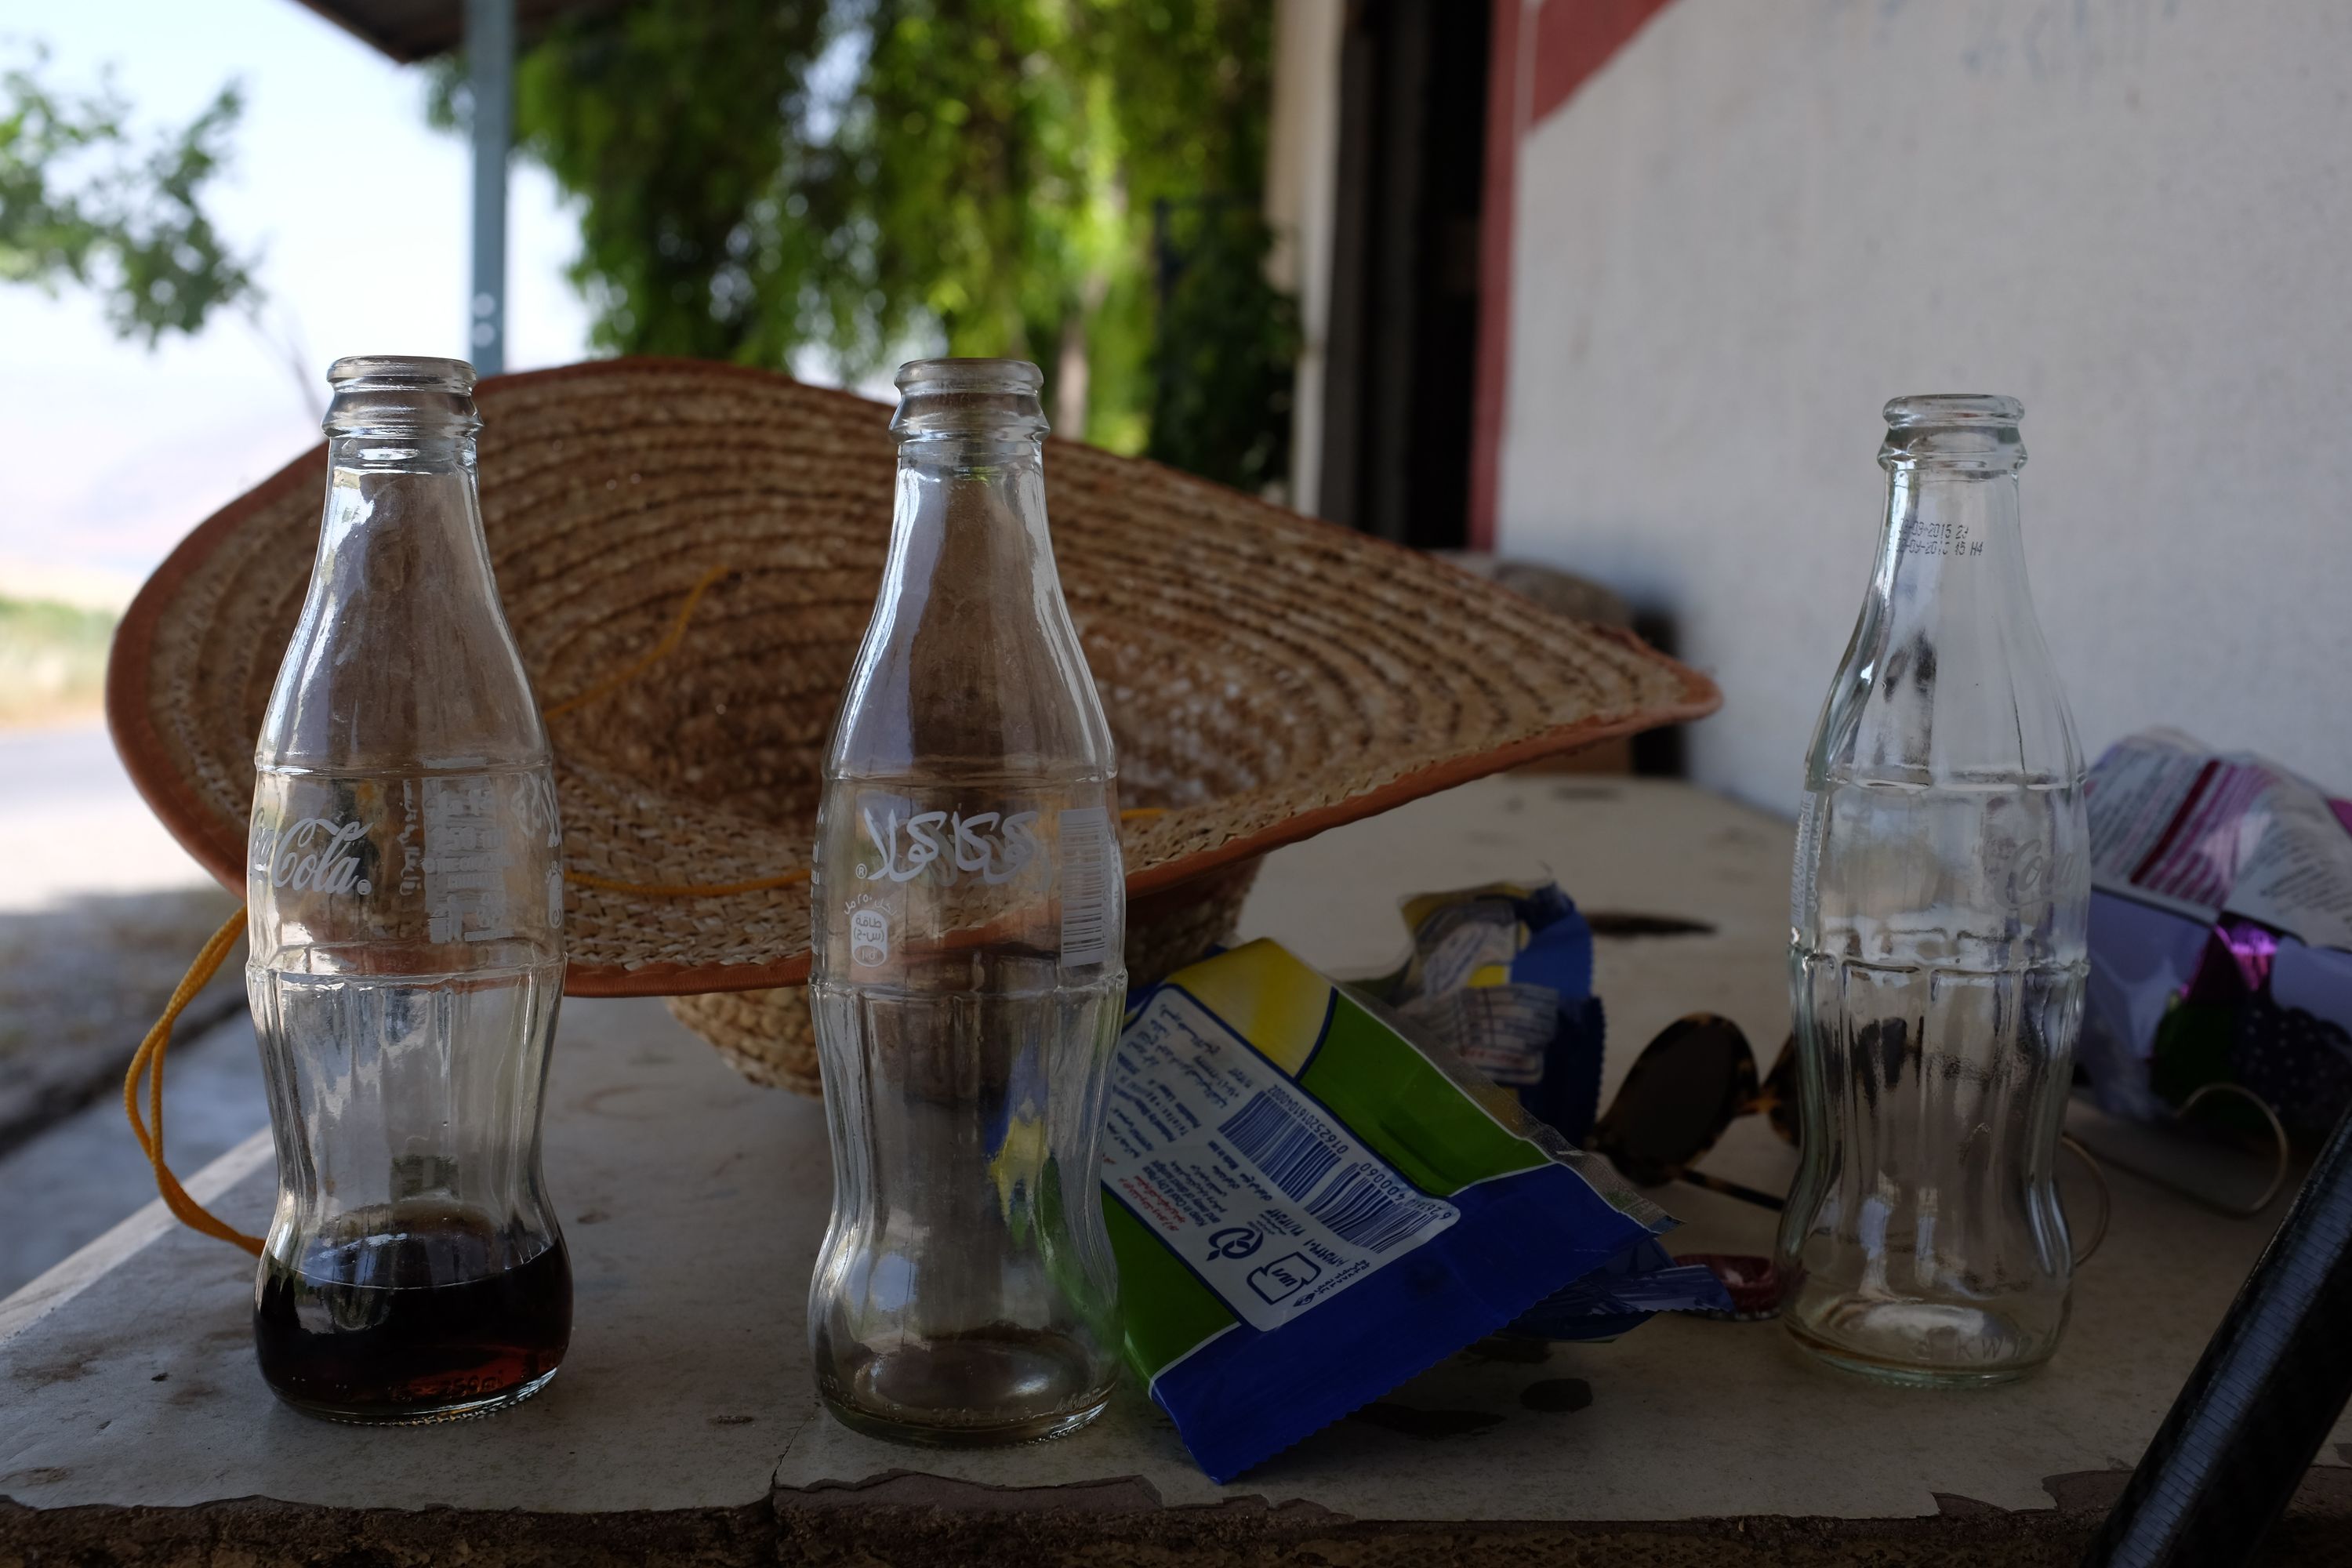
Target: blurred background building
[
  {"x": 1715, "y": 237},
  {"x": 1731, "y": 241}
]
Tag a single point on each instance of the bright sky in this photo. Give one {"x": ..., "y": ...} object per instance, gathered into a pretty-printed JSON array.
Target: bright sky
[{"x": 108, "y": 453}]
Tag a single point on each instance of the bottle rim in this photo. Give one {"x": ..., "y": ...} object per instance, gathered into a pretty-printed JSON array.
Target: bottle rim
[
  {"x": 1931, "y": 410},
  {"x": 1960, "y": 433},
  {"x": 404, "y": 373},
  {"x": 984, "y": 399},
  {"x": 404, "y": 395},
  {"x": 1015, "y": 376}
]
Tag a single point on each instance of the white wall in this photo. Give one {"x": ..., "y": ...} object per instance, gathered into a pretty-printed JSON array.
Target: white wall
[{"x": 1761, "y": 221}]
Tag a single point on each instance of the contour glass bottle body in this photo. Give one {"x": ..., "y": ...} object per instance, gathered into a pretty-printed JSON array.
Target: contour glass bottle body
[
  {"x": 404, "y": 899},
  {"x": 1938, "y": 910},
  {"x": 969, "y": 914}
]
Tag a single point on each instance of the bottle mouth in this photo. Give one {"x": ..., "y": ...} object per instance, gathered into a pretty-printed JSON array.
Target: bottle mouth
[
  {"x": 400, "y": 392},
  {"x": 361, "y": 373},
  {"x": 992, "y": 399},
  {"x": 1965, "y": 432}
]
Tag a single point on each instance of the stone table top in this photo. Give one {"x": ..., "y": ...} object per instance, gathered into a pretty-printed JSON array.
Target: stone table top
[{"x": 683, "y": 1425}]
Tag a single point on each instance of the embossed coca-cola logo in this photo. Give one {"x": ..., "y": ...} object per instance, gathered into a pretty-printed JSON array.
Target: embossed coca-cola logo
[
  {"x": 316, "y": 854},
  {"x": 996, "y": 845}
]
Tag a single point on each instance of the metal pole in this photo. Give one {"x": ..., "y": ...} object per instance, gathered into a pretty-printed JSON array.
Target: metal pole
[
  {"x": 489, "y": 58},
  {"x": 2269, "y": 1387}
]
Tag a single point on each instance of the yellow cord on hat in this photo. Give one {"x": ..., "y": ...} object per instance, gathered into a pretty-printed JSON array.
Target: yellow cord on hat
[
  {"x": 659, "y": 651},
  {"x": 148, "y": 1063}
]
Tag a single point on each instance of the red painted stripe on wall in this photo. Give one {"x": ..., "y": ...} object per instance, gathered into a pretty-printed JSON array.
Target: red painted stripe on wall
[
  {"x": 1575, "y": 39},
  {"x": 1537, "y": 56}
]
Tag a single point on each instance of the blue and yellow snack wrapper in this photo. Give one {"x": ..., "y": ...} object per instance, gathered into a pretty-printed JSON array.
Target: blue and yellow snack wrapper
[
  {"x": 1621, "y": 1295},
  {"x": 1308, "y": 1208},
  {"x": 1502, "y": 975}
]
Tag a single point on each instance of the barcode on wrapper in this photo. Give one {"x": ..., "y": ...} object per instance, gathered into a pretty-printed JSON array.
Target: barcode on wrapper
[
  {"x": 1359, "y": 1209},
  {"x": 1273, "y": 1137},
  {"x": 1088, "y": 858}
]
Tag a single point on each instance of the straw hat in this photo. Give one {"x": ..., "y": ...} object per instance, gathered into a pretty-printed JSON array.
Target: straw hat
[{"x": 1266, "y": 676}]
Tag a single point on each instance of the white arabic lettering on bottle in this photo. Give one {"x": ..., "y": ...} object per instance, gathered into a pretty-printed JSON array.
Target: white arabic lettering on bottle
[
  {"x": 960, "y": 843},
  {"x": 316, "y": 854}
]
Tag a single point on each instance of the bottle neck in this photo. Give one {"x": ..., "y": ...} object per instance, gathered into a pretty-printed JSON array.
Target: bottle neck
[
  {"x": 972, "y": 489},
  {"x": 970, "y": 664},
  {"x": 400, "y": 456},
  {"x": 1946, "y": 677},
  {"x": 1942, "y": 522},
  {"x": 969, "y": 545},
  {"x": 399, "y": 512},
  {"x": 402, "y": 656}
]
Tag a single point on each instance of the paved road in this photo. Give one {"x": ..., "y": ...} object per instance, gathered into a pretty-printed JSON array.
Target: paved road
[
  {"x": 99, "y": 913},
  {"x": 71, "y": 823}
]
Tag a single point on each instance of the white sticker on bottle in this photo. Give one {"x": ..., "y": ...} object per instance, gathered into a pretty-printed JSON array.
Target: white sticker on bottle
[
  {"x": 1090, "y": 860},
  {"x": 1273, "y": 1203},
  {"x": 869, "y": 937},
  {"x": 466, "y": 860}
]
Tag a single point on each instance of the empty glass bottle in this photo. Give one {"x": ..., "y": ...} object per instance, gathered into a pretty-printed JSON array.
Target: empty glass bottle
[
  {"x": 1939, "y": 902},
  {"x": 969, "y": 910},
  {"x": 404, "y": 900}
]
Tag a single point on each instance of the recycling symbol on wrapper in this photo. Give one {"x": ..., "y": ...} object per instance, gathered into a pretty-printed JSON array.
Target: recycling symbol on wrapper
[{"x": 1233, "y": 1241}]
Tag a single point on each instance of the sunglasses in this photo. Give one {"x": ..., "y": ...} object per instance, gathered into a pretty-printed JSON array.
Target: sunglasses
[{"x": 1682, "y": 1092}]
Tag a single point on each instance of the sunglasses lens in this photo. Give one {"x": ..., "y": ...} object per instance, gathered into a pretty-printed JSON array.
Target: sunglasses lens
[{"x": 1680, "y": 1095}]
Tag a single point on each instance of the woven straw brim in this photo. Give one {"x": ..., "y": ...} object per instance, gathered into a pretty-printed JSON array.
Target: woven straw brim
[
  {"x": 770, "y": 1037},
  {"x": 1266, "y": 676}
]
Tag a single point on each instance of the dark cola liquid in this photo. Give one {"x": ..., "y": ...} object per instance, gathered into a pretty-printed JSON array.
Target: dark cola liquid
[{"x": 413, "y": 1312}]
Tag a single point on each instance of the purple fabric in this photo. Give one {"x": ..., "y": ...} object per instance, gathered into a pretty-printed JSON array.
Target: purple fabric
[
  {"x": 2235, "y": 964},
  {"x": 2251, "y": 947},
  {"x": 2141, "y": 958}
]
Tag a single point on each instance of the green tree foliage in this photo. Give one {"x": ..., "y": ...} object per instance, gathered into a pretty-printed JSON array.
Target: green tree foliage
[
  {"x": 82, "y": 200},
  {"x": 1075, "y": 182}
]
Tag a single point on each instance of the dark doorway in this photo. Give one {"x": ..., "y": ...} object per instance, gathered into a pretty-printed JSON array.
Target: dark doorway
[{"x": 1401, "y": 345}]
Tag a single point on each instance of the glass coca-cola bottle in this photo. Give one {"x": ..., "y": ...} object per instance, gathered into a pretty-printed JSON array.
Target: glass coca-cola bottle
[
  {"x": 1937, "y": 919},
  {"x": 404, "y": 900},
  {"x": 968, "y": 912}
]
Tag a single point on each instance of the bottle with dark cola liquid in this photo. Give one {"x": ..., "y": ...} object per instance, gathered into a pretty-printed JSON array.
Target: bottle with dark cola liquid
[{"x": 404, "y": 899}]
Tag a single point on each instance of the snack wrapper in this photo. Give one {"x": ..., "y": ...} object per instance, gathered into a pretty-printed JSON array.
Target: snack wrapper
[
  {"x": 1308, "y": 1207},
  {"x": 1502, "y": 976},
  {"x": 1623, "y": 1294},
  {"x": 2221, "y": 931}
]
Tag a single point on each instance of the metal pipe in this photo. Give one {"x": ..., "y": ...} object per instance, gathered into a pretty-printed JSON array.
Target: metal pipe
[
  {"x": 2267, "y": 1391},
  {"x": 490, "y": 61}
]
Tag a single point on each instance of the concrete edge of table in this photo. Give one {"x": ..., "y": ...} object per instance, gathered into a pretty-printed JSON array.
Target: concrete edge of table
[
  {"x": 916, "y": 1520},
  {"x": 46, "y": 1293}
]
